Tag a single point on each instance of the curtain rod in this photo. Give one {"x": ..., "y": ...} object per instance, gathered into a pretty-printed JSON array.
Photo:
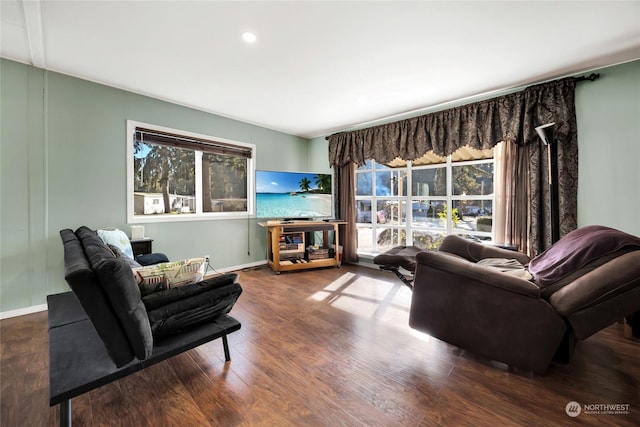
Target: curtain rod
[{"x": 591, "y": 77}]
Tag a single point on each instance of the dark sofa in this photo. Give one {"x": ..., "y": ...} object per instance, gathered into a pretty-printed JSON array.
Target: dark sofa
[
  {"x": 105, "y": 329},
  {"x": 587, "y": 281},
  {"x": 126, "y": 322}
]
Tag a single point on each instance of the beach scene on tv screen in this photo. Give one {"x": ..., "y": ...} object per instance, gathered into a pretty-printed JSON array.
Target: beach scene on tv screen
[{"x": 293, "y": 195}]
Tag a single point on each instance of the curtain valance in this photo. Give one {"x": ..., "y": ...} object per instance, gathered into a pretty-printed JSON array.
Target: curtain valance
[{"x": 480, "y": 125}]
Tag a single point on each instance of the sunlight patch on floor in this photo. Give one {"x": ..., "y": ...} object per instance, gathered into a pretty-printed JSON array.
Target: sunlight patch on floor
[{"x": 368, "y": 297}]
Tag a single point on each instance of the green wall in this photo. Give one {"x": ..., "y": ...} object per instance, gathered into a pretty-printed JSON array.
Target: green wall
[
  {"x": 63, "y": 164},
  {"x": 608, "y": 112},
  {"x": 319, "y": 155}
]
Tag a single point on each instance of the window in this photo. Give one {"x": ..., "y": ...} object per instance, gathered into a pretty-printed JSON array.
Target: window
[
  {"x": 175, "y": 175},
  {"x": 420, "y": 202}
]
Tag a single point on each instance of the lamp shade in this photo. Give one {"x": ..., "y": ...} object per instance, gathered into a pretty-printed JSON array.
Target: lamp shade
[{"x": 546, "y": 133}]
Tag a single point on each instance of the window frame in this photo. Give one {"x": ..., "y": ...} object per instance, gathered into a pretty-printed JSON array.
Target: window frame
[
  {"x": 199, "y": 215},
  {"x": 408, "y": 225}
]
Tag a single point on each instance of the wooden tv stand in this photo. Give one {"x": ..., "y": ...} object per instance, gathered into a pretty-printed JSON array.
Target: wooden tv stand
[{"x": 277, "y": 228}]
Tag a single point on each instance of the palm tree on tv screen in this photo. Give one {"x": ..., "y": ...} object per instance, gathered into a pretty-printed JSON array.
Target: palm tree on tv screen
[
  {"x": 304, "y": 184},
  {"x": 323, "y": 181}
]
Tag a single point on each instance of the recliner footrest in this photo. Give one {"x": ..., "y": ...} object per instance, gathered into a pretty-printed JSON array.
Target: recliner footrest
[
  {"x": 401, "y": 256},
  {"x": 396, "y": 257}
]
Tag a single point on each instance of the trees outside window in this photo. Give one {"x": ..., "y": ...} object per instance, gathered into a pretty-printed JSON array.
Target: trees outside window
[
  {"x": 177, "y": 175},
  {"x": 420, "y": 202}
]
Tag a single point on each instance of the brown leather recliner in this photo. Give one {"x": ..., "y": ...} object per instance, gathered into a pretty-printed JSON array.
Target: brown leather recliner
[{"x": 582, "y": 284}]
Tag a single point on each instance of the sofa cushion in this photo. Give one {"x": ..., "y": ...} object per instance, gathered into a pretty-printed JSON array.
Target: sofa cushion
[
  {"x": 507, "y": 266},
  {"x": 95, "y": 249},
  {"x": 87, "y": 235},
  {"x": 85, "y": 286},
  {"x": 119, "y": 254},
  {"x": 179, "y": 309},
  {"x": 159, "y": 299},
  {"x": 117, "y": 238},
  {"x": 577, "y": 249},
  {"x": 117, "y": 281}
]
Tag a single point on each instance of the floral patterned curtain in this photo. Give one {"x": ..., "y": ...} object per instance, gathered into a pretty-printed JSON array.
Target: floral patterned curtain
[
  {"x": 511, "y": 118},
  {"x": 546, "y": 103}
]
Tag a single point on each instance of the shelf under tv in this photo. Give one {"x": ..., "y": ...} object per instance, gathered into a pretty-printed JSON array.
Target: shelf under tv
[{"x": 290, "y": 262}]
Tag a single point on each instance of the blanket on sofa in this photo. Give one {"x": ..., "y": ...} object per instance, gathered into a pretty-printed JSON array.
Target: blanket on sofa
[{"x": 577, "y": 249}]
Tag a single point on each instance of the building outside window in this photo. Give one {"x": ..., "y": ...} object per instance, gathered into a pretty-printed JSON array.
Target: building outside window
[
  {"x": 420, "y": 202},
  {"x": 176, "y": 175}
]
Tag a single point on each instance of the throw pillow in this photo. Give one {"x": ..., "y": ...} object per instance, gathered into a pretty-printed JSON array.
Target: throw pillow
[
  {"x": 150, "y": 259},
  {"x": 117, "y": 238},
  {"x": 166, "y": 275}
]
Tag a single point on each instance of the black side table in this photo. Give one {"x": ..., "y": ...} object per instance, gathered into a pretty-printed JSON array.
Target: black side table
[{"x": 141, "y": 246}]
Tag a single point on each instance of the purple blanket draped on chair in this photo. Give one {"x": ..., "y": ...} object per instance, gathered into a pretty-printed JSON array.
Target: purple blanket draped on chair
[{"x": 577, "y": 249}]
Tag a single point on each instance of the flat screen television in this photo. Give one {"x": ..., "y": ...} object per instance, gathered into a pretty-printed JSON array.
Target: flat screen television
[{"x": 294, "y": 195}]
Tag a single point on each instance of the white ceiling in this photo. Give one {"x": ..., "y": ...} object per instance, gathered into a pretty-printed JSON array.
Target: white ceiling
[{"x": 318, "y": 66}]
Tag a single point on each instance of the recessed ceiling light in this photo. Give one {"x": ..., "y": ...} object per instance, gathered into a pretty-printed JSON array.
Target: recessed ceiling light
[{"x": 249, "y": 37}]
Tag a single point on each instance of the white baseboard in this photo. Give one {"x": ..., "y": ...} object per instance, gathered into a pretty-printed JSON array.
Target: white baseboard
[
  {"x": 237, "y": 267},
  {"x": 23, "y": 311}
]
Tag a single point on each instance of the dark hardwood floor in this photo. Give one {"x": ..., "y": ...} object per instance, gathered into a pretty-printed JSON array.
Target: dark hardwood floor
[{"x": 328, "y": 347}]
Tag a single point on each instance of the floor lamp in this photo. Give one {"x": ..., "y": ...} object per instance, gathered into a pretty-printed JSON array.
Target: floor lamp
[{"x": 546, "y": 135}]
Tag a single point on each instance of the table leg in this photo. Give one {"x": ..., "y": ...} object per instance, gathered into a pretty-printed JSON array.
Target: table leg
[
  {"x": 225, "y": 344},
  {"x": 65, "y": 413}
]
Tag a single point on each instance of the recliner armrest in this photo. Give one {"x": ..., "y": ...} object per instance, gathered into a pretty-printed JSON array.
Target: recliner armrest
[
  {"x": 474, "y": 251},
  {"x": 614, "y": 278},
  {"x": 464, "y": 269}
]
